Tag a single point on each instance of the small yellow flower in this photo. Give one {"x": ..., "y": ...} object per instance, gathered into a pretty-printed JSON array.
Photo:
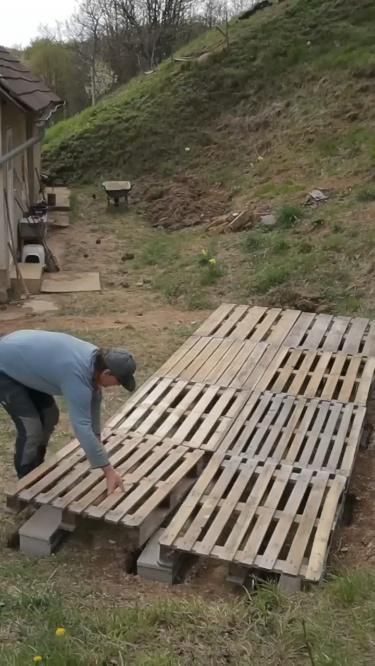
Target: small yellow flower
[
  {"x": 60, "y": 631},
  {"x": 212, "y": 261},
  {"x": 37, "y": 659}
]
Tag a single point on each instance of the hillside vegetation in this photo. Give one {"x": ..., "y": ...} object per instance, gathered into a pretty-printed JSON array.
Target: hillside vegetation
[
  {"x": 288, "y": 107},
  {"x": 294, "y": 87}
]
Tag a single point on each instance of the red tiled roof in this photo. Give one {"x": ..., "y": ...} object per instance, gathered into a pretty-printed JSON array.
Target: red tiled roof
[{"x": 23, "y": 86}]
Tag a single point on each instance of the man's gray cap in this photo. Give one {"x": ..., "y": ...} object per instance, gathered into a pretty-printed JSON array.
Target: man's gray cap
[{"x": 122, "y": 365}]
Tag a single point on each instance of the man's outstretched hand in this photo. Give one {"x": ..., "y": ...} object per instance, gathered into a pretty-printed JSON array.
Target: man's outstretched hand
[{"x": 113, "y": 479}]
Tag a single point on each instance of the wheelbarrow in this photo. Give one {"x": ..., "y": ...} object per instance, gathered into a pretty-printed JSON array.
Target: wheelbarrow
[{"x": 117, "y": 190}]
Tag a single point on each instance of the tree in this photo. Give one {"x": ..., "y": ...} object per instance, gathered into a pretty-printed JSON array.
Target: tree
[{"x": 55, "y": 62}]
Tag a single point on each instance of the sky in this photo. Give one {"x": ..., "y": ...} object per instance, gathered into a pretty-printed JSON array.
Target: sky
[{"x": 20, "y": 19}]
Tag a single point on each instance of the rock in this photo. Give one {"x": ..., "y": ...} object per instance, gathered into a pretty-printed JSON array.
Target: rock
[
  {"x": 139, "y": 283},
  {"x": 125, "y": 284},
  {"x": 98, "y": 241},
  {"x": 147, "y": 281},
  {"x": 127, "y": 256},
  {"x": 268, "y": 220},
  {"x": 315, "y": 197}
]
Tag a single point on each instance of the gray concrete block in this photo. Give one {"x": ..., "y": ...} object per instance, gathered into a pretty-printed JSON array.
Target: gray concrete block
[
  {"x": 162, "y": 567},
  {"x": 237, "y": 574},
  {"x": 38, "y": 547},
  {"x": 41, "y": 534},
  {"x": 289, "y": 585}
]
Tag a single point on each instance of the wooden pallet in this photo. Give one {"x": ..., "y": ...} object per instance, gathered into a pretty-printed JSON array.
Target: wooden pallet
[
  {"x": 156, "y": 476},
  {"x": 225, "y": 362},
  {"x": 196, "y": 415},
  {"x": 244, "y": 364},
  {"x": 291, "y": 328},
  {"x": 327, "y": 375},
  {"x": 308, "y": 433},
  {"x": 262, "y": 516}
]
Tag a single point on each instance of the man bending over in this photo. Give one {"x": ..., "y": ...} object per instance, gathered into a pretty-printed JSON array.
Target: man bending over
[{"x": 37, "y": 365}]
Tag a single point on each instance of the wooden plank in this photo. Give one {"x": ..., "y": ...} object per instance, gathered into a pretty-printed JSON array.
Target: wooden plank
[
  {"x": 283, "y": 374},
  {"x": 254, "y": 365},
  {"x": 245, "y": 328},
  {"x": 167, "y": 428},
  {"x": 189, "y": 367},
  {"x": 247, "y": 513},
  {"x": 318, "y": 553},
  {"x": 291, "y": 429},
  {"x": 315, "y": 386},
  {"x": 53, "y": 475},
  {"x": 226, "y": 364},
  {"x": 263, "y": 329},
  {"x": 282, "y": 420},
  {"x": 229, "y": 376},
  {"x": 283, "y": 327},
  {"x": 336, "y": 333},
  {"x": 162, "y": 490},
  {"x": 301, "y": 375},
  {"x": 354, "y": 335},
  {"x": 369, "y": 341},
  {"x": 210, "y": 422},
  {"x": 276, "y": 362},
  {"x": 347, "y": 391},
  {"x": 356, "y": 432},
  {"x": 238, "y": 435},
  {"x": 210, "y": 325},
  {"x": 182, "y": 433},
  {"x": 330, "y": 385},
  {"x": 226, "y": 327},
  {"x": 187, "y": 541},
  {"x": 365, "y": 382},
  {"x": 182, "y": 516},
  {"x": 207, "y": 368},
  {"x": 256, "y": 437},
  {"x": 294, "y": 452},
  {"x": 153, "y": 413},
  {"x": 327, "y": 438},
  {"x": 299, "y": 330},
  {"x": 306, "y": 457},
  {"x": 280, "y": 533},
  {"x": 189, "y": 349},
  {"x": 205, "y": 546},
  {"x": 315, "y": 337},
  {"x": 74, "y": 475},
  {"x": 304, "y": 531}
]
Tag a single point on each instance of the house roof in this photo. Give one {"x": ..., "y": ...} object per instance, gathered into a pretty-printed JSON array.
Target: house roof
[{"x": 24, "y": 87}]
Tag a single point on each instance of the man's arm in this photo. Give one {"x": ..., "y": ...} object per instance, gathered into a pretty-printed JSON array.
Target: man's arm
[{"x": 79, "y": 398}]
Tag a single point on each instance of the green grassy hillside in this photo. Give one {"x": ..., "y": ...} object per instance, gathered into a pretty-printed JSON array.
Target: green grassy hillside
[
  {"x": 289, "y": 107},
  {"x": 296, "y": 87}
]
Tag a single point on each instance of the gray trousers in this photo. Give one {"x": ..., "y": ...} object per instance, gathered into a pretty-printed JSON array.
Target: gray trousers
[{"x": 35, "y": 416}]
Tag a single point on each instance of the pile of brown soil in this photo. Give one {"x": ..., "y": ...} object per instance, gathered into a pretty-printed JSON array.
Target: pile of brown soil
[{"x": 185, "y": 202}]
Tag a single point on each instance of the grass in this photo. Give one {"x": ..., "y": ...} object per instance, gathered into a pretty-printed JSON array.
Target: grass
[
  {"x": 288, "y": 216},
  {"x": 263, "y": 628}
]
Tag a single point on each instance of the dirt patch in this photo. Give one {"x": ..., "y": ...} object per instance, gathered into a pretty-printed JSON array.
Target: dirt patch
[{"x": 186, "y": 202}]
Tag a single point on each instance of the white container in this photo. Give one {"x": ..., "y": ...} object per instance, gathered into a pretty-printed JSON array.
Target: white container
[{"x": 33, "y": 253}]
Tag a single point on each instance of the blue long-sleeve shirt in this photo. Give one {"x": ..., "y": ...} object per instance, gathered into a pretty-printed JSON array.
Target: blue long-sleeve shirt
[{"x": 59, "y": 364}]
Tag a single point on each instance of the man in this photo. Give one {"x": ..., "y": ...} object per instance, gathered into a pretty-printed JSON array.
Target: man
[{"x": 37, "y": 365}]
